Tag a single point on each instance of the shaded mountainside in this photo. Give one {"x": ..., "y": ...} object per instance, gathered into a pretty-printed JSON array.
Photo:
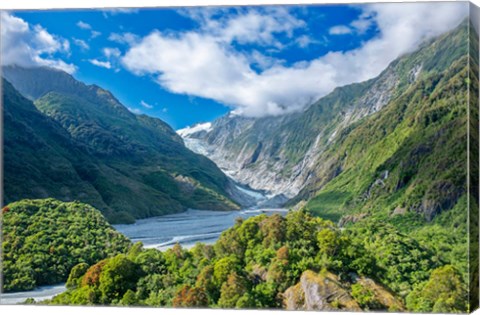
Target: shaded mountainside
[
  {"x": 80, "y": 143},
  {"x": 396, "y": 142}
]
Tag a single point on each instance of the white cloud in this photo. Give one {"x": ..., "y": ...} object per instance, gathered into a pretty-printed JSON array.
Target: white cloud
[
  {"x": 84, "y": 26},
  {"x": 261, "y": 61},
  {"x": 88, "y": 27},
  {"x": 98, "y": 63},
  {"x": 145, "y": 104},
  {"x": 340, "y": 30},
  {"x": 246, "y": 26},
  {"x": 204, "y": 63},
  {"x": 111, "y": 52},
  {"x": 255, "y": 27},
  {"x": 117, "y": 11},
  {"x": 125, "y": 38},
  {"x": 29, "y": 46},
  {"x": 95, "y": 34},
  {"x": 81, "y": 43},
  {"x": 304, "y": 41},
  {"x": 363, "y": 23}
]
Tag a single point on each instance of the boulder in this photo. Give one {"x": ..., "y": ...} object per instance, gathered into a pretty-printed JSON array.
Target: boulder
[{"x": 321, "y": 292}]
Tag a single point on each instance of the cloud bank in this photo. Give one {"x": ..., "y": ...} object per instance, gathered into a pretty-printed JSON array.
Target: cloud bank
[
  {"x": 28, "y": 45},
  {"x": 207, "y": 63}
]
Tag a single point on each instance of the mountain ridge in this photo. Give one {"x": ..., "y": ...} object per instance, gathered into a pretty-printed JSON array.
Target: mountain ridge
[
  {"x": 120, "y": 156},
  {"x": 287, "y": 156}
]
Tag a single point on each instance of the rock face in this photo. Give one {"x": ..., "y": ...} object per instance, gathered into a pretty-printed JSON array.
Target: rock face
[
  {"x": 351, "y": 218},
  {"x": 320, "y": 292},
  {"x": 325, "y": 292},
  {"x": 277, "y": 154}
]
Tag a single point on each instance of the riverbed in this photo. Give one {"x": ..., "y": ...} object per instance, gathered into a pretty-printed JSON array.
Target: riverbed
[
  {"x": 186, "y": 228},
  {"x": 38, "y": 294}
]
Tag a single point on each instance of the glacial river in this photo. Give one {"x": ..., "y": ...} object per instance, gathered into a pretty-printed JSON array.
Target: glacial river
[{"x": 186, "y": 228}]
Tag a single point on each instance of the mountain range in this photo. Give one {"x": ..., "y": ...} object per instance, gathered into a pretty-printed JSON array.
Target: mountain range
[
  {"x": 378, "y": 146},
  {"x": 369, "y": 148},
  {"x": 72, "y": 141}
]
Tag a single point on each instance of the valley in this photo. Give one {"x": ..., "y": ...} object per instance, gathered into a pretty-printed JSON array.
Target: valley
[{"x": 362, "y": 195}]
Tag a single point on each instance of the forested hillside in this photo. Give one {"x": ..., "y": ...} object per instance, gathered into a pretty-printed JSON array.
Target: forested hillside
[
  {"x": 42, "y": 240},
  {"x": 79, "y": 143}
]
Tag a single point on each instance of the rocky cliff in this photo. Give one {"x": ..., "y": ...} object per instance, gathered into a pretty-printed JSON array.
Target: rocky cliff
[{"x": 326, "y": 292}]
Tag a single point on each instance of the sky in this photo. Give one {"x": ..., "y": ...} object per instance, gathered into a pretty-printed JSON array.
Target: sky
[{"x": 193, "y": 65}]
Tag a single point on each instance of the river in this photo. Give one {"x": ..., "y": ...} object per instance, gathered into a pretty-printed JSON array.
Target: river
[
  {"x": 186, "y": 228},
  {"x": 38, "y": 294}
]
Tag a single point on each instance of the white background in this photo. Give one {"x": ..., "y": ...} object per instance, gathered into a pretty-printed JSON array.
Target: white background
[{"x": 47, "y": 4}]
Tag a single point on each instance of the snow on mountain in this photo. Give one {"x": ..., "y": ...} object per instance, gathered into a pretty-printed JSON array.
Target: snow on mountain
[{"x": 185, "y": 132}]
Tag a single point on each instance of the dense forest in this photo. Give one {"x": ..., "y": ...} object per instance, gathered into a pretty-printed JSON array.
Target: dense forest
[
  {"x": 260, "y": 262},
  {"x": 43, "y": 239}
]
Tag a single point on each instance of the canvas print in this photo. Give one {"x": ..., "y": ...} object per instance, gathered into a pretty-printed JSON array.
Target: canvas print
[{"x": 301, "y": 157}]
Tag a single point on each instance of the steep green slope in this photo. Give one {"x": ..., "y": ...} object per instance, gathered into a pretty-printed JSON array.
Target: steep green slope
[
  {"x": 409, "y": 157},
  {"x": 330, "y": 113},
  {"x": 40, "y": 159},
  {"x": 128, "y": 166},
  {"x": 44, "y": 239},
  {"x": 406, "y": 165},
  {"x": 283, "y": 154}
]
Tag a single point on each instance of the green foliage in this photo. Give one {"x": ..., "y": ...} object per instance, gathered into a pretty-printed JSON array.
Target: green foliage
[
  {"x": 232, "y": 290},
  {"x": 365, "y": 297},
  {"x": 444, "y": 292},
  {"x": 398, "y": 260},
  {"x": 75, "y": 275},
  {"x": 118, "y": 276},
  {"x": 44, "y": 239},
  {"x": 190, "y": 297},
  {"x": 257, "y": 276},
  {"x": 77, "y": 142},
  {"x": 223, "y": 268},
  {"x": 396, "y": 178},
  {"x": 128, "y": 299}
]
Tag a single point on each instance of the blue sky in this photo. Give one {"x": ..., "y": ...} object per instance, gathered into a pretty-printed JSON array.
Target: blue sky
[{"x": 192, "y": 65}]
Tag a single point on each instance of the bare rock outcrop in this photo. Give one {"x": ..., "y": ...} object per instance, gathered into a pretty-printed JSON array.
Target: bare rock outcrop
[{"x": 322, "y": 292}]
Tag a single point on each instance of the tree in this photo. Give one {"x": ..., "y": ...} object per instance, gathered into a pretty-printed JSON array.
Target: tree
[
  {"x": 118, "y": 276},
  {"x": 365, "y": 297},
  {"x": 223, "y": 268},
  {"x": 444, "y": 292},
  {"x": 75, "y": 275},
  {"x": 92, "y": 276},
  {"x": 129, "y": 298},
  {"x": 232, "y": 291},
  {"x": 273, "y": 230},
  {"x": 190, "y": 297},
  {"x": 206, "y": 281}
]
